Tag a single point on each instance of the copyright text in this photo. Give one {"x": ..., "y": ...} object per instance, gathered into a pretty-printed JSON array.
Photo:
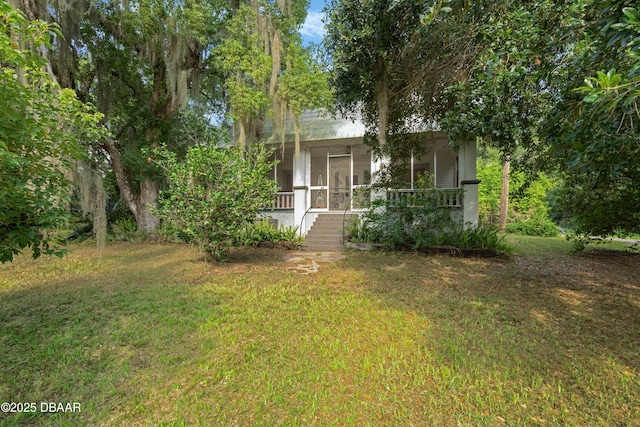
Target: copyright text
[{"x": 50, "y": 407}]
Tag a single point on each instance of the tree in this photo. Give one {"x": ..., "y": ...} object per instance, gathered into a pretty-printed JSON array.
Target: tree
[
  {"x": 41, "y": 129},
  {"x": 146, "y": 58},
  {"x": 593, "y": 131},
  {"x": 516, "y": 79},
  {"x": 379, "y": 67},
  {"x": 267, "y": 72},
  {"x": 142, "y": 62},
  {"x": 215, "y": 193},
  {"x": 139, "y": 62},
  {"x": 406, "y": 65}
]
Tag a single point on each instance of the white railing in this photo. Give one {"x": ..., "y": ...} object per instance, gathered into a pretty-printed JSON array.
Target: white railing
[
  {"x": 442, "y": 197},
  {"x": 283, "y": 200}
]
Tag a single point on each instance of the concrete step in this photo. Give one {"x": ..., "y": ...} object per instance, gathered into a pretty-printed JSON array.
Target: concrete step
[
  {"x": 321, "y": 238},
  {"x": 322, "y": 248},
  {"x": 326, "y": 233},
  {"x": 333, "y": 218}
]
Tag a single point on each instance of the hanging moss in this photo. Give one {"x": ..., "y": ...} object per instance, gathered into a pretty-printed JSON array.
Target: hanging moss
[{"x": 89, "y": 189}]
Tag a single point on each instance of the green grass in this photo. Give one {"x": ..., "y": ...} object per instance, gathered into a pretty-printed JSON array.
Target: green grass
[{"x": 150, "y": 335}]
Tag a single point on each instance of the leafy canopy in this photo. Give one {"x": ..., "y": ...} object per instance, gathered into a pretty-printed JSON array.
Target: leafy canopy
[
  {"x": 593, "y": 131},
  {"x": 41, "y": 129},
  {"x": 214, "y": 194}
]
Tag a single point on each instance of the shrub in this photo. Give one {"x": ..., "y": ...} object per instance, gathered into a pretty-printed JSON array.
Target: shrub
[
  {"x": 263, "y": 231},
  {"x": 420, "y": 223},
  {"x": 214, "y": 194},
  {"x": 538, "y": 225},
  {"x": 126, "y": 229},
  {"x": 468, "y": 237}
]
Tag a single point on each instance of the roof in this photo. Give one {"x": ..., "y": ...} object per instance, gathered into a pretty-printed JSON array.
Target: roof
[{"x": 318, "y": 125}]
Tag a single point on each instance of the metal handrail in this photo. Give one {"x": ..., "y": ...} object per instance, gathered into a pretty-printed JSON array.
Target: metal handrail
[
  {"x": 344, "y": 215},
  {"x": 302, "y": 220}
]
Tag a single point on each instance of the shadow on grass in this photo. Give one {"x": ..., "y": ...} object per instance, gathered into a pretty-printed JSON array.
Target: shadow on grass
[
  {"x": 561, "y": 330},
  {"x": 76, "y": 328}
]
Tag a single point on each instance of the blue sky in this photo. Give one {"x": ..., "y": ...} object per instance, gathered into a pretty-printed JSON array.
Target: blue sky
[{"x": 313, "y": 29}]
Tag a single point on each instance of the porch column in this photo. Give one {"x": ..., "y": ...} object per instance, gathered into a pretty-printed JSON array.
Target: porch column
[
  {"x": 301, "y": 171},
  {"x": 470, "y": 202},
  {"x": 468, "y": 181}
]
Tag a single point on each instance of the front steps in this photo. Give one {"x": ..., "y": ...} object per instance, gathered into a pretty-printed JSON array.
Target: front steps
[{"x": 326, "y": 233}]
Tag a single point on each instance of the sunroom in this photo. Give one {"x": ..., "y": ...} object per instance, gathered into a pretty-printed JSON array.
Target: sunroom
[{"x": 334, "y": 168}]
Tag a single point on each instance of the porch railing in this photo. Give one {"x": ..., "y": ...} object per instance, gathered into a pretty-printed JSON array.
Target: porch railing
[
  {"x": 283, "y": 201},
  {"x": 442, "y": 197}
]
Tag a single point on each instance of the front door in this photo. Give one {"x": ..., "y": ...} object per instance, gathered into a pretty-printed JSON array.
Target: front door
[{"x": 339, "y": 182}]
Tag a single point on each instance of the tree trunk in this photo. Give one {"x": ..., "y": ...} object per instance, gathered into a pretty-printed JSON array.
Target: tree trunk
[
  {"x": 147, "y": 202},
  {"x": 139, "y": 205},
  {"x": 123, "y": 183},
  {"x": 504, "y": 199},
  {"x": 382, "y": 98}
]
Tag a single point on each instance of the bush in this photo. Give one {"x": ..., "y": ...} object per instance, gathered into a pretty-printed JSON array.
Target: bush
[
  {"x": 126, "y": 229},
  {"x": 418, "y": 223},
  {"x": 214, "y": 194},
  {"x": 263, "y": 231},
  {"x": 538, "y": 225},
  {"x": 479, "y": 237},
  {"x": 401, "y": 222}
]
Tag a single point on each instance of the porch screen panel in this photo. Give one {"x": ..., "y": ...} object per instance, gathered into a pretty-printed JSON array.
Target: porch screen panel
[
  {"x": 446, "y": 171},
  {"x": 361, "y": 194},
  {"x": 318, "y": 167},
  {"x": 340, "y": 183},
  {"x": 273, "y": 172},
  {"x": 361, "y": 166},
  {"x": 421, "y": 166},
  {"x": 319, "y": 199},
  {"x": 285, "y": 171},
  {"x": 319, "y": 178}
]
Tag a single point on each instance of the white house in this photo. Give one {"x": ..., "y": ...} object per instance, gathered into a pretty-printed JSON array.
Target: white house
[{"x": 334, "y": 166}]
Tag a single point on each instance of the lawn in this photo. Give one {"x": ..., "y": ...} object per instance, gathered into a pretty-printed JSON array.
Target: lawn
[{"x": 149, "y": 334}]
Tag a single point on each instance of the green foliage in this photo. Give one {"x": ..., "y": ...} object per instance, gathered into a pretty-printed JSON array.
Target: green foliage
[
  {"x": 243, "y": 58},
  {"x": 303, "y": 85},
  {"x": 506, "y": 94},
  {"x": 402, "y": 222},
  {"x": 419, "y": 222},
  {"x": 265, "y": 70},
  {"x": 214, "y": 194},
  {"x": 528, "y": 197},
  {"x": 425, "y": 180},
  {"x": 489, "y": 190},
  {"x": 126, "y": 229},
  {"x": 593, "y": 132},
  {"x": 263, "y": 231},
  {"x": 478, "y": 237},
  {"x": 537, "y": 225},
  {"x": 41, "y": 128},
  {"x": 390, "y": 67}
]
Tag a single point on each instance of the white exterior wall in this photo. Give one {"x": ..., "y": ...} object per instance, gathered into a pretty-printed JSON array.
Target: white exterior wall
[{"x": 283, "y": 218}]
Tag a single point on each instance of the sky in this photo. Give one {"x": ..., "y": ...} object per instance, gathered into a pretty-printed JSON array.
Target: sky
[{"x": 313, "y": 28}]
